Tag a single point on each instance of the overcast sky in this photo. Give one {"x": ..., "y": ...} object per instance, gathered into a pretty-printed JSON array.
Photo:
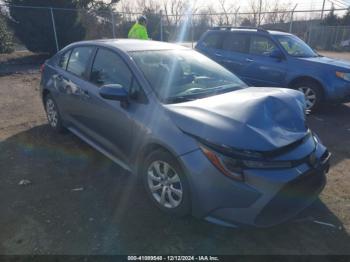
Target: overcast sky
[{"x": 301, "y": 4}]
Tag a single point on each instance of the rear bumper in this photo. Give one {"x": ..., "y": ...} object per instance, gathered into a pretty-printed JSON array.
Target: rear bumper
[{"x": 266, "y": 198}]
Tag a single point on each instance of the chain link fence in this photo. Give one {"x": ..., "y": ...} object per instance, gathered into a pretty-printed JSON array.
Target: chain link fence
[
  {"x": 185, "y": 28},
  {"x": 333, "y": 38}
]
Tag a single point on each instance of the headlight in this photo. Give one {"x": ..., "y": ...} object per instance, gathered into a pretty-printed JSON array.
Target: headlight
[
  {"x": 316, "y": 139},
  {"x": 233, "y": 168},
  {"x": 342, "y": 75},
  {"x": 227, "y": 166}
]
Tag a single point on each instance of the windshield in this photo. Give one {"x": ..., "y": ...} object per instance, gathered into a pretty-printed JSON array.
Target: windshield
[
  {"x": 295, "y": 46},
  {"x": 184, "y": 75}
]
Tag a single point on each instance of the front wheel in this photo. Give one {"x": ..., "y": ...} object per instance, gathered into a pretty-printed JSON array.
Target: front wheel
[
  {"x": 312, "y": 93},
  {"x": 166, "y": 183}
]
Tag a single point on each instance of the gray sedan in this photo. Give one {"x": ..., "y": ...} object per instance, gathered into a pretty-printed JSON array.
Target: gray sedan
[{"x": 203, "y": 142}]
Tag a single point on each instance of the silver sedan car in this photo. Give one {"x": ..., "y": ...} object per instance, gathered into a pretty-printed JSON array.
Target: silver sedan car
[{"x": 203, "y": 142}]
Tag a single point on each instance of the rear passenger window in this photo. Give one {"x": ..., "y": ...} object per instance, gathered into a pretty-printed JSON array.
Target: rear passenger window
[
  {"x": 79, "y": 59},
  {"x": 213, "y": 40},
  {"x": 260, "y": 45},
  {"x": 236, "y": 43},
  {"x": 109, "y": 68},
  {"x": 63, "y": 60}
]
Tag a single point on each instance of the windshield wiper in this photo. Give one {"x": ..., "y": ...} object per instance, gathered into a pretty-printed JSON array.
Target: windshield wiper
[
  {"x": 219, "y": 89},
  {"x": 178, "y": 99},
  {"x": 209, "y": 92}
]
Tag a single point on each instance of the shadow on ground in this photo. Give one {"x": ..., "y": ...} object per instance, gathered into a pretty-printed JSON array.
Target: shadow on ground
[
  {"x": 332, "y": 124},
  {"x": 79, "y": 202}
]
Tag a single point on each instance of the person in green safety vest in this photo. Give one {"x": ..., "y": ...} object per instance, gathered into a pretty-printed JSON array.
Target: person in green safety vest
[{"x": 139, "y": 30}]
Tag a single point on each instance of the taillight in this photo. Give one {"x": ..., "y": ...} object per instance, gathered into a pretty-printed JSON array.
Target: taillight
[{"x": 42, "y": 67}]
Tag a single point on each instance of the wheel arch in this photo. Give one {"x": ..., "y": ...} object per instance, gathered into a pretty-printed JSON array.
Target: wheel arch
[
  {"x": 299, "y": 79},
  {"x": 44, "y": 93},
  {"x": 147, "y": 149},
  {"x": 154, "y": 146}
]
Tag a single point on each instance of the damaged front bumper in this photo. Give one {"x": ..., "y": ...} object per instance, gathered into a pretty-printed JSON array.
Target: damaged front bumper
[{"x": 265, "y": 198}]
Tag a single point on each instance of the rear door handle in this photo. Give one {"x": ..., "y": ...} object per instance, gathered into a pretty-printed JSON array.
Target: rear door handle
[
  {"x": 249, "y": 60},
  {"x": 218, "y": 54}
]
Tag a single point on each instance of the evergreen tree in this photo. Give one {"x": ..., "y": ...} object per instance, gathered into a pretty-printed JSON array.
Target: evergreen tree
[
  {"x": 247, "y": 22},
  {"x": 331, "y": 19},
  {"x": 6, "y": 40},
  {"x": 34, "y": 27},
  {"x": 345, "y": 20}
]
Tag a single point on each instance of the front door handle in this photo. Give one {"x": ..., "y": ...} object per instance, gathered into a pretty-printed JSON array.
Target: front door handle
[
  {"x": 59, "y": 78},
  {"x": 218, "y": 54},
  {"x": 85, "y": 93},
  {"x": 249, "y": 60}
]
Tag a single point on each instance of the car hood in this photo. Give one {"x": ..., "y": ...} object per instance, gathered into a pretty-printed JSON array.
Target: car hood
[
  {"x": 259, "y": 119},
  {"x": 328, "y": 61}
]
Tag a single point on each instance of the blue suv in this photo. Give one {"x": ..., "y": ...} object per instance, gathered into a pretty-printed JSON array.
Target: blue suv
[{"x": 278, "y": 59}]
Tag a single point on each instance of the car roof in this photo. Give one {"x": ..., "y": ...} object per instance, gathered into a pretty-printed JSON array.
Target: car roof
[
  {"x": 248, "y": 30},
  {"x": 129, "y": 45}
]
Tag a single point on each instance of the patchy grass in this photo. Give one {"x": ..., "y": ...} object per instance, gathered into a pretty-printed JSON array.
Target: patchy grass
[{"x": 22, "y": 57}]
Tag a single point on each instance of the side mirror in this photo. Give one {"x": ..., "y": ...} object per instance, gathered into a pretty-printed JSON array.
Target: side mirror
[
  {"x": 277, "y": 54},
  {"x": 114, "y": 92}
]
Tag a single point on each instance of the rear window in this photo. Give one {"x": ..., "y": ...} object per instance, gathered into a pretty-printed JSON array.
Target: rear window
[
  {"x": 236, "y": 43},
  {"x": 79, "y": 59},
  {"x": 63, "y": 60},
  {"x": 213, "y": 40}
]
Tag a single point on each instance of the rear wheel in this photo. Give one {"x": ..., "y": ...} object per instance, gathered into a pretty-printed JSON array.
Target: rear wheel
[
  {"x": 312, "y": 92},
  {"x": 53, "y": 115},
  {"x": 166, "y": 184}
]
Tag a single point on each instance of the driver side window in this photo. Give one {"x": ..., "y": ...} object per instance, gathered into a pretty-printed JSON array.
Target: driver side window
[
  {"x": 109, "y": 68},
  {"x": 260, "y": 45}
]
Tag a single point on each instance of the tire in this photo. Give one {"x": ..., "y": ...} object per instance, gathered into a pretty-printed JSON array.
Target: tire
[
  {"x": 170, "y": 189},
  {"x": 53, "y": 114},
  {"x": 313, "y": 94}
]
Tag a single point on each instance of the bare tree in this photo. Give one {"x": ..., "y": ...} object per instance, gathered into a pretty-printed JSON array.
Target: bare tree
[
  {"x": 254, "y": 8},
  {"x": 211, "y": 11},
  {"x": 264, "y": 11},
  {"x": 173, "y": 11},
  {"x": 279, "y": 12},
  {"x": 227, "y": 10}
]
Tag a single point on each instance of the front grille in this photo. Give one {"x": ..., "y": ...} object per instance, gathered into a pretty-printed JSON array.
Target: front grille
[{"x": 292, "y": 198}]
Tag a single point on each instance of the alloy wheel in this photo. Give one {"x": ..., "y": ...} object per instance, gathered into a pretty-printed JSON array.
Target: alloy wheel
[
  {"x": 310, "y": 96},
  {"x": 164, "y": 184}
]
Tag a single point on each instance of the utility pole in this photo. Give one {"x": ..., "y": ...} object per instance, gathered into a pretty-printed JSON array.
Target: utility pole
[
  {"x": 161, "y": 25},
  {"x": 324, "y": 2},
  {"x": 54, "y": 29},
  {"x": 113, "y": 23},
  {"x": 291, "y": 19},
  {"x": 260, "y": 4},
  {"x": 236, "y": 15},
  {"x": 192, "y": 30}
]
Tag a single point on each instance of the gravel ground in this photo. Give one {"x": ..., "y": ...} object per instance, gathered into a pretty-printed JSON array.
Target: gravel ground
[{"x": 79, "y": 202}]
